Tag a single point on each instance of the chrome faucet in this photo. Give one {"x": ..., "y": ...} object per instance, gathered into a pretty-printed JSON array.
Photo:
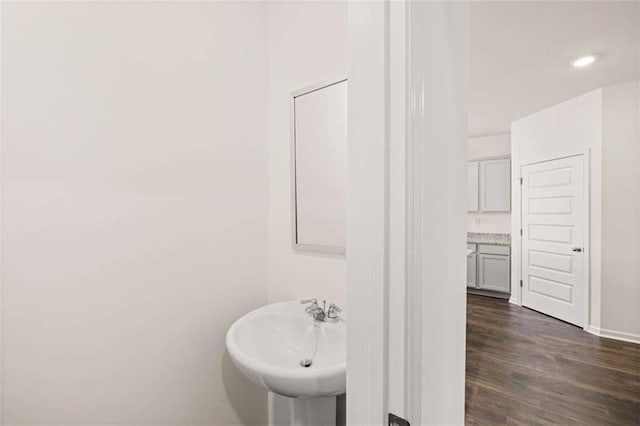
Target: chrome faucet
[{"x": 322, "y": 313}]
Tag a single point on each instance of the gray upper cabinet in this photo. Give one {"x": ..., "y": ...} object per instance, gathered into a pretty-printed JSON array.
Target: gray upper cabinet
[
  {"x": 489, "y": 185},
  {"x": 495, "y": 185},
  {"x": 472, "y": 186}
]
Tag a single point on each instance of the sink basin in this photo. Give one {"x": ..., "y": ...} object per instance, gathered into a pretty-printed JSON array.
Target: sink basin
[{"x": 280, "y": 348}]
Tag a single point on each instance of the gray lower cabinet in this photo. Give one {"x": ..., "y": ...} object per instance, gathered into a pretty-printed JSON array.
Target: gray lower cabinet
[
  {"x": 489, "y": 268},
  {"x": 494, "y": 272}
]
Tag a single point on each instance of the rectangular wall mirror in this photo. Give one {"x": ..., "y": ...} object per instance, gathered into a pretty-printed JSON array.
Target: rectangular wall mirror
[{"x": 319, "y": 167}]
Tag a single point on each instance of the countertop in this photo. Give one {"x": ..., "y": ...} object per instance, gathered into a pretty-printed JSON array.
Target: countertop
[{"x": 487, "y": 238}]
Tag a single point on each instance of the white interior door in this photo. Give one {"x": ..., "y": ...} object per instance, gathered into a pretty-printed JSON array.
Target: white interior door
[{"x": 553, "y": 237}]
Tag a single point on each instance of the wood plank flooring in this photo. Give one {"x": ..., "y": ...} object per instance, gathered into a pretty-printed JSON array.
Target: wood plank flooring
[{"x": 525, "y": 368}]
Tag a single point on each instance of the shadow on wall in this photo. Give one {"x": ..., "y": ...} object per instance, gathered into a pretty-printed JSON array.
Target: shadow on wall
[{"x": 241, "y": 393}]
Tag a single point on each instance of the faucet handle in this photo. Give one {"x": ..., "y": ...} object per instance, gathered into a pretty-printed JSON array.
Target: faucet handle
[
  {"x": 312, "y": 301},
  {"x": 334, "y": 310}
]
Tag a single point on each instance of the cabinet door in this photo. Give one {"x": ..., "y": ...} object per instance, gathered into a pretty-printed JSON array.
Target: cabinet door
[
  {"x": 472, "y": 186},
  {"x": 495, "y": 185},
  {"x": 471, "y": 270},
  {"x": 494, "y": 273}
]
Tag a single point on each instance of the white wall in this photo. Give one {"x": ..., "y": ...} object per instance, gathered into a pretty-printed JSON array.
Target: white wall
[
  {"x": 489, "y": 146},
  {"x": 307, "y": 44},
  {"x": 483, "y": 147},
  {"x": 134, "y": 210},
  {"x": 621, "y": 209},
  {"x": 564, "y": 129}
]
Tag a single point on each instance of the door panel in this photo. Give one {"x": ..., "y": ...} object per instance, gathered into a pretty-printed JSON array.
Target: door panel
[
  {"x": 551, "y": 261},
  {"x": 553, "y": 224},
  {"x": 549, "y": 206},
  {"x": 553, "y": 289},
  {"x": 548, "y": 178},
  {"x": 551, "y": 233}
]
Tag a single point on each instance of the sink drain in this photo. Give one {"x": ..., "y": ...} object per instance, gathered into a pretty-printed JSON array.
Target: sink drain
[{"x": 306, "y": 363}]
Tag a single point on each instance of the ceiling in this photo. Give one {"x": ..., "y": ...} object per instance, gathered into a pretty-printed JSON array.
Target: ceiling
[{"x": 521, "y": 55}]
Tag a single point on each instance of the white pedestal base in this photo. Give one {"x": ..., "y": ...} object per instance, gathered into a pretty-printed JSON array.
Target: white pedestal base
[{"x": 285, "y": 411}]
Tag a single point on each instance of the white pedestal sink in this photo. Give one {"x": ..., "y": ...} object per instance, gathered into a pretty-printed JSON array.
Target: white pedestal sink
[{"x": 273, "y": 345}]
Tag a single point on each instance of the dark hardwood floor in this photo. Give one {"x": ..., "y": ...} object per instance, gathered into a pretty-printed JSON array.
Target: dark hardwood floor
[{"x": 525, "y": 368}]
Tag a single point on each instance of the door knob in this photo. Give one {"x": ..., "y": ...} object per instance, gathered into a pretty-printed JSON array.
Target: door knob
[{"x": 577, "y": 249}]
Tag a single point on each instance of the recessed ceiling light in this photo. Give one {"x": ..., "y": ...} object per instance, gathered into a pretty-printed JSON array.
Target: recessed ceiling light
[{"x": 584, "y": 61}]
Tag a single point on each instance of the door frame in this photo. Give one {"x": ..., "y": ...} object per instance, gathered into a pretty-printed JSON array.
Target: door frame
[
  {"x": 586, "y": 160},
  {"x": 406, "y": 268},
  {"x": 367, "y": 218}
]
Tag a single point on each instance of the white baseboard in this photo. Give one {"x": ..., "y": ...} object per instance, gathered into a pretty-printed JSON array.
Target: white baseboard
[
  {"x": 514, "y": 301},
  {"x": 617, "y": 335}
]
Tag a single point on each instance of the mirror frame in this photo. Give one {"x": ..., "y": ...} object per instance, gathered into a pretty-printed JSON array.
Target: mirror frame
[{"x": 317, "y": 248}]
